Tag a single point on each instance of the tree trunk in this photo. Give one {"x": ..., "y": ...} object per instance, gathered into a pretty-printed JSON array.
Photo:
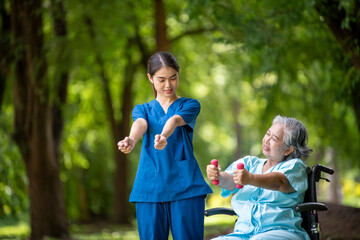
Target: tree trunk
[
  {"x": 122, "y": 160},
  {"x": 2, "y": 88},
  {"x": 162, "y": 41},
  {"x": 118, "y": 129},
  {"x": 47, "y": 209},
  {"x": 238, "y": 129},
  {"x": 334, "y": 193},
  {"x": 5, "y": 49},
  {"x": 34, "y": 125},
  {"x": 83, "y": 203},
  {"x": 121, "y": 203},
  {"x": 62, "y": 72}
]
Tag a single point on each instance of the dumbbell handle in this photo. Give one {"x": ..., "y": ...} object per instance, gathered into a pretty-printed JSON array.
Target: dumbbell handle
[
  {"x": 240, "y": 166},
  {"x": 215, "y": 163}
]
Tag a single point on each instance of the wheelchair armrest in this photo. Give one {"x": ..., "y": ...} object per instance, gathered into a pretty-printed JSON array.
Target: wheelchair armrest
[
  {"x": 308, "y": 206},
  {"x": 214, "y": 211}
]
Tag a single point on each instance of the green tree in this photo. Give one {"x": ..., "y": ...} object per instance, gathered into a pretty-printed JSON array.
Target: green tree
[
  {"x": 342, "y": 18},
  {"x": 294, "y": 61},
  {"x": 38, "y": 120}
]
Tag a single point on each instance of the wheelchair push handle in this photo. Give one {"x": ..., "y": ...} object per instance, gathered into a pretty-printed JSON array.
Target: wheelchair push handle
[
  {"x": 323, "y": 168},
  {"x": 240, "y": 166},
  {"x": 216, "y": 164}
]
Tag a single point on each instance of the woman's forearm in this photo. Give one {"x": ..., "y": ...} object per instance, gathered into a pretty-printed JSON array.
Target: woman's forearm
[
  {"x": 138, "y": 129},
  {"x": 172, "y": 123},
  {"x": 226, "y": 181},
  {"x": 272, "y": 181}
]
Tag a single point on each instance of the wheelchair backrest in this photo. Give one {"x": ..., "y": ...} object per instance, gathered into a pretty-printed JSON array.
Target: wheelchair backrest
[{"x": 310, "y": 218}]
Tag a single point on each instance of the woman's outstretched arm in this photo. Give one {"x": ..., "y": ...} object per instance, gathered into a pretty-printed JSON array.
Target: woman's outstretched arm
[{"x": 138, "y": 129}]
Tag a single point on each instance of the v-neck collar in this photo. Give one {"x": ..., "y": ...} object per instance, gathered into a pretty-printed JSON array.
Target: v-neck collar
[
  {"x": 270, "y": 169},
  {"x": 162, "y": 109}
]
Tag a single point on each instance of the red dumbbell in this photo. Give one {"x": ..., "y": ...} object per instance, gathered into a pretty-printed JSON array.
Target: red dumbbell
[
  {"x": 215, "y": 163},
  {"x": 240, "y": 166}
]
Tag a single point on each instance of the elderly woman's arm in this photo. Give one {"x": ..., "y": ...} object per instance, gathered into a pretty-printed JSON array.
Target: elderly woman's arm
[
  {"x": 273, "y": 181},
  {"x": 226, "y": 180}
]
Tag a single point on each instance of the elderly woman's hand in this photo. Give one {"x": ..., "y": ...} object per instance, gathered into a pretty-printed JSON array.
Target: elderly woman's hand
[
  {"x": 213, "y": 172},
  {"x": 242, "y": 177}
]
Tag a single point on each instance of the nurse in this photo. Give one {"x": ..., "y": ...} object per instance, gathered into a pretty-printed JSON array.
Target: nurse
[
  {"x": 169, "y": 190},
  {"x": 272, "y": 185}
]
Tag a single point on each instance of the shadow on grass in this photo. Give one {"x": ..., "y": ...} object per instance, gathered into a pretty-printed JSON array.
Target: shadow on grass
[
  {"x": 103, "y": 231},
  {"x": 15, "y": 228},
  {"x": 19, "y": 229},
  {"x": 218, "y": 225}
]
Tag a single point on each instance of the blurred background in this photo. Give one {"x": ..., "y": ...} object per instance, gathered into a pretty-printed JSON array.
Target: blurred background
[{"x": 72, "y": 70}]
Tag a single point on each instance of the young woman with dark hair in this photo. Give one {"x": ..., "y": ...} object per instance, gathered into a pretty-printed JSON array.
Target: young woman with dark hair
[{"x": 169, "y": 190}]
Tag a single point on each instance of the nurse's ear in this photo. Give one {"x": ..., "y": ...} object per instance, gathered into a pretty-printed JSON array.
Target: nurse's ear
[{"x": 150, "y": 78}]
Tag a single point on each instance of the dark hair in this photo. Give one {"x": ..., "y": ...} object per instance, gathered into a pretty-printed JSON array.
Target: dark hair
[
  {"x": 296, "y": 135},
  {"x": 159, "y": 60}
]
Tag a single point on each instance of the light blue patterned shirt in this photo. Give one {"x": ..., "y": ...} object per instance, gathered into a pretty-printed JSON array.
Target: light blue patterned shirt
[{"x": 260, "y": 210}]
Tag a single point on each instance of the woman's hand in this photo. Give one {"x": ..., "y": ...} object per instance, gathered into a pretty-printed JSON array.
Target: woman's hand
[
  {"x": 160, "y": 142},
  {"x": 213, "y": 172},
  {"x": 126, "y": 145},
  {"x": 242, "y": 177}
]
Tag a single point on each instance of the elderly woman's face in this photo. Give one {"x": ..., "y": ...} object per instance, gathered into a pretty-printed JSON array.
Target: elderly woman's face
[{"x": 274, "y": 147}]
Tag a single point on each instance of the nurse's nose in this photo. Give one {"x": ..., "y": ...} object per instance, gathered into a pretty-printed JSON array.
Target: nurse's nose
[{"x": 167, "y": 83}]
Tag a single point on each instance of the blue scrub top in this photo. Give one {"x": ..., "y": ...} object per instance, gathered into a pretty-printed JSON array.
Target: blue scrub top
[
  {"x": 173, "y": 173},
  {"x": 260, "y": 210}
]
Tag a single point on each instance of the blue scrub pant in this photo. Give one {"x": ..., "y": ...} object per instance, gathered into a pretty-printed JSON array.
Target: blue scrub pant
[{"x": 185, "y": 219}]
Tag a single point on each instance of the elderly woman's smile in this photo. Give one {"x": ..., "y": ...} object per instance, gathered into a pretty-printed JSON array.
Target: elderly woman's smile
[{"x": 274, "y": 147}]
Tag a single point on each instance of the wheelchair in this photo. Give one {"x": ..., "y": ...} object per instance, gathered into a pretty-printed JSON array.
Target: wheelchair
[{"x": 308, "y": 208}]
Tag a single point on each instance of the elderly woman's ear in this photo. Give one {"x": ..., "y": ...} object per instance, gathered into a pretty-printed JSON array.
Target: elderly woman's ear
[{"x": 290, "y": 150}]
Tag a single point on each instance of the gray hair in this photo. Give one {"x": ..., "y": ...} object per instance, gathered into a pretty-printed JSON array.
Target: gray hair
[{"x": 296, "y": 135}]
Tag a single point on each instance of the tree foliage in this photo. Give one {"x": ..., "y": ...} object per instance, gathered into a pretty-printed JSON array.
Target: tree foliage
[{"x": 245, "y": 61}]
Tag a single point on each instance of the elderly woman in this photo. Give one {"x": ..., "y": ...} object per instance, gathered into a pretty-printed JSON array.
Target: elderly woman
[{"x": 271, "y": 186}]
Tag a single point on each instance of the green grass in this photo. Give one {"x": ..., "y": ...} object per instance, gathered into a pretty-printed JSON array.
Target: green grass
[
  {"x": 219, "y": 225},
  {"x": 13, "y": 229},
  {"x": 103, "y": 232},
  {"x": 19, "y": 229}
]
